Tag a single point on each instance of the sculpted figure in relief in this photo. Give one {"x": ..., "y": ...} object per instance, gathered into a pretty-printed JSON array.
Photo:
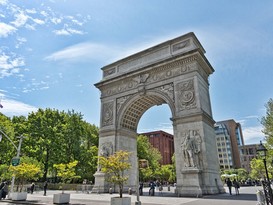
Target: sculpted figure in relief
[
  {"x": 106, "y": 150},
  {"x": 107, "y": 114},
  {"x": 141, "y": 78},
  {"x": 191, "y": 147}
]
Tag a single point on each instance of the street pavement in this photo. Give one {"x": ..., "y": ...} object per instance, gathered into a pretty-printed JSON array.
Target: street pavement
[{"x": 247, "y": 197}]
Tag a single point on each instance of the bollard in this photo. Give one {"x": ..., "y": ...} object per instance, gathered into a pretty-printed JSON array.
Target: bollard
[
  {"x": 169, "y": 188},
  {"x": 110, "y": 190},
  {"x": 130, "y": 191}
]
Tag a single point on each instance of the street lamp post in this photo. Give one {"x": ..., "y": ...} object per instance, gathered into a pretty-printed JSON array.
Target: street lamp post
[
  {"x": 266, "y": 185},
  {"x": 17, "y": 155}
]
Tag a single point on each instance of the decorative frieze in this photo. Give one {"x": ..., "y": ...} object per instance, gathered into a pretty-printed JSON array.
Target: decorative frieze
[
  {"x": 186, "y": 95},
  {"x": 158, "y": 74}
]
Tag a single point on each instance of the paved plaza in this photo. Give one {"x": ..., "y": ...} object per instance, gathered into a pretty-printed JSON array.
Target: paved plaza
[{"x": 247, "y": 197}]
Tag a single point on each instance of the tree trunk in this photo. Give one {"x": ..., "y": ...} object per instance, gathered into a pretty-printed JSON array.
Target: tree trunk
[
  {"x": 120, "y": 191},
  {"x": 46, "y": 165}
]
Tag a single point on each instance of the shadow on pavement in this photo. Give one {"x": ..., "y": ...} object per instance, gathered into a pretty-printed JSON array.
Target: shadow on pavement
[{"x": 244, "y": 197}]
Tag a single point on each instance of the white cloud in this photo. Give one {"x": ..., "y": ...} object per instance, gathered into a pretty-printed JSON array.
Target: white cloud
[
  {"x": 10, "y": 65},
  {"x": 20, "y": 20},
  {"x": 16, "y": 108},
  {"x": 38, "y": 21},
  {"x": 67, "y": 32},
  {"x": 31, "y": 11},
  {"x": 55, "y": 20},
  {"x": 3, "y": 2},
  {"x": 253, "y": 134},
  {"x": 6, "y": 29},
  {"x": 30, "y": 27},
  {"x": 62, "y": 32},
  {"x": 83, "y": 51}
]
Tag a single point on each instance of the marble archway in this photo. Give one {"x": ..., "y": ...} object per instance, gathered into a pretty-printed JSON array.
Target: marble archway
[{"x": 176, "y": 73}]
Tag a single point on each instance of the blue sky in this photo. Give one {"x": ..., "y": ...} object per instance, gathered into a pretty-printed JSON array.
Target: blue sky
[{"x": 51, "y": 52}]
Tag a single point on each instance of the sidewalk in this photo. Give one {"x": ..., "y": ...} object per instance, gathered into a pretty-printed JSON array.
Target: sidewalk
[{"x": 247, "y": 197}]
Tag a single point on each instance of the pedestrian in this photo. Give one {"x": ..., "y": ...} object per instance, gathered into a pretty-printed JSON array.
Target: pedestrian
[
  {"x": 1, "y": 186},
  {"x": 45, "y": 188},
  {"x": 141, "y": 188},
  {"x": 236, "y": 186},
  {"x": 152, "y": 189},
  {"x": 229, "y": 184},
  {"x": 32, "y": 188},
  {"x": 5, "y": 190}
]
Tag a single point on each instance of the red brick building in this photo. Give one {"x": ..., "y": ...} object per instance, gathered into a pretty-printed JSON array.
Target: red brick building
[{"x": 163, "y": 141}]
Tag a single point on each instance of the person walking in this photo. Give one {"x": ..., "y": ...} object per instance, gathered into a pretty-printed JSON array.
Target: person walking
[
  {"x": 236, "y": 186},
  {"x": 152, "y": 189},
  {"x": 45, "y": 188},
  {"x": 229, "y": 184},
  {"x": 1, "y": 186},
  {"x": 32, "y": 188},
  {"x": 141, "y": 188},
  {"x": 5, "y": 190}
]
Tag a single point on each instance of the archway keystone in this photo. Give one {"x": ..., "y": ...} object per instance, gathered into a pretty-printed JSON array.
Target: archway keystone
[{"x": 174, "y": 73}]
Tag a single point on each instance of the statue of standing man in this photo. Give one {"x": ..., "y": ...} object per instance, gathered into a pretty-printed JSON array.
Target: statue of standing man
[{"x": 191, "y": 147}]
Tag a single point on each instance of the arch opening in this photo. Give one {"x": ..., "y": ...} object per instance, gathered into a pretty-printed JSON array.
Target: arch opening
[{"x": 137, "y": 108}]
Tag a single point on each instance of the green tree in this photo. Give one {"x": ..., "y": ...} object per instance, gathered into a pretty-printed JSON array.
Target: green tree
[
  {"x": 4, "y": 172},
  {"x": 59, "y": 137},
  {"x": 267, "y": 122},
  {"x": 7, "y": 150},
  {"x": 166, "y": 172},
  {"x": 115, "y": 166},
  {"x": 28, "y": 169},
  {"x": 52, "y": 137},
  {"x": 257, "y": 169},
  {"x": 242, "y": 174},
  {"x": 145, "y": 150},
  {"x": 66, "y": 172},
  {"x": 46, "y": 137}
]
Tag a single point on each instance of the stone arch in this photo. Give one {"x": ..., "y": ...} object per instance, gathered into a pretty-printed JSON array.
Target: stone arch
[
  {"x": 176, "y": 73},
  {"x": 133, "y": 109}
]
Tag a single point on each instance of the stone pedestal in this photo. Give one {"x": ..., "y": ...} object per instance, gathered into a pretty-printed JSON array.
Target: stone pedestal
[
  {"x": 101, "y": 185},
  {"x": 191, "y": 183}
]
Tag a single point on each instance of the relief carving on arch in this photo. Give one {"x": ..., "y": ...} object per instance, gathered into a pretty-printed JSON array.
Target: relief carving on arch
[
  {"x": 186, "y": 95},
  {"x": 168, "y": 89},
  {"x": 191, "y": 149},
  {"x": 106, "y": 149},
  {"x": 141, "y": 78},
  {"x": 158, "y": 74},
  {"x": 107, "y": 113},
  {"x": 121, "y": 100}
]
